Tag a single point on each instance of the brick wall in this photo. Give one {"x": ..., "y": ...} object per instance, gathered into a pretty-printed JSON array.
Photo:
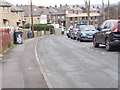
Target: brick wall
[
  {"x": 0, "y": 41},
  {"x": 5, "y": 38}
]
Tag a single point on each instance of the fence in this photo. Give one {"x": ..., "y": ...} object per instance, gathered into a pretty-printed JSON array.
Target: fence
[{"x": 5, "y": 38}]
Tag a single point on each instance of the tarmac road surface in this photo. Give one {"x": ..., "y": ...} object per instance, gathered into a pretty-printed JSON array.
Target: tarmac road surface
[{"x": 72, "y": 64}]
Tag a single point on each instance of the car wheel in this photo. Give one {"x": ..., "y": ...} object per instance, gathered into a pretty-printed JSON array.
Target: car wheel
[
  {"x": 74, "y": 38},
  {"x": 95, "y": 44},
  {"x": 80, "y": 39},
  {"x": 77, "y": 39},
  {"x": 108, "y": 47}
]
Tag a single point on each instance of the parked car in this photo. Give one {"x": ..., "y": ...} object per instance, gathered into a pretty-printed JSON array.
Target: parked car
[
  {"x": 108, "y": 34},
  {"x": 74, "y": 33},
  {"x": 69, "y": 32},
  {"x": 86, "y": 32},
  {"x": 75, "y": 30}
]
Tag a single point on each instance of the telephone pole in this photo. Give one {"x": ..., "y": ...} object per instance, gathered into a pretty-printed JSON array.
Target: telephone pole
[{"x": 32, "y": 18}]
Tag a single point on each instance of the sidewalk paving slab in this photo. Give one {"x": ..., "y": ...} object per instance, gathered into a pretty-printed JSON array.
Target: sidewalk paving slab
[{"x": 20, "y": 68}]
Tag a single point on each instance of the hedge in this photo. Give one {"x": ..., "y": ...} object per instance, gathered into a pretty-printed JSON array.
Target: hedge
[{"x": 39, "y": 27}]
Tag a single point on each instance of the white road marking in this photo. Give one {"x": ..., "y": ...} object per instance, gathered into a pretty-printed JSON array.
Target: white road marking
[
  {"x": 30, "y": 68},
  {"x": 103, "y": 53},
  {"x": 97, "y": 51},
  {"x": 88, "y": 48},
  {"x": 91, "y": 49},
  {"x": 49, "y": 84}
]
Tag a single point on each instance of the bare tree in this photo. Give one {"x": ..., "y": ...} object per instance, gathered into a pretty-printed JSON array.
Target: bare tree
[
  {"x": 108, "y": 13},
  {"x": 119, "y": 10},
  {"x": 103, "y": 8},
  {"x": 113, "y": 12},
  {"x": 87, "y": 5}
]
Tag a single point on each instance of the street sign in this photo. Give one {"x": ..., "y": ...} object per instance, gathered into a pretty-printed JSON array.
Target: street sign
[{"x": 83, "y": 22}]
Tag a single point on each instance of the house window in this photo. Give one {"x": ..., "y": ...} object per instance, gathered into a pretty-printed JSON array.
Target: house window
[
  {"x": 7, "y": 9},
  {"x": 91, "y": 18},
  {"x": 13, "y": 14},
  {"x": 16, "y": 14},
  {"x": 76, "y": 12},
  {"x": 71, "y": 19},
  {"x": 3, "y": 9},
  {"x": 86, "y": 18},
  {"x": 63, "y": 17},
  {"x": 75, "y": 18},
  {"x": 58, "y": 17},
  {"x": 22, "y": 14},
  {"x": 82, "y": 18},
  {"x": 53, "y": 17},
  {"x": 73, "y": 11}
]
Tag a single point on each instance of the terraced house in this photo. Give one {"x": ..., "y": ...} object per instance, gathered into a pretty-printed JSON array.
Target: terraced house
[
  {"x": 58, "y": 16},
  {"x": 27, "y": 13},
  {"x": 10, "y": 15}
]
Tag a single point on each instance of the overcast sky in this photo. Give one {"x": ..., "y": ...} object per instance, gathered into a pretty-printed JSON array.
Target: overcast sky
[{"x": 57, "y": 2}]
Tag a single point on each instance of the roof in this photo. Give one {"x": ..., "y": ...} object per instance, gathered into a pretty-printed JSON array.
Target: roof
[
  {"x": 112, "y": 20},
  {"x": 55, "y": 11},
  {"x": 82, "y": 15},
  {"x": 66, "y": 7},
  {"x": 44, "y": 11},
  {"x": 16, "y": 9},
  {"x": 4, "y": 3},
  {"x": 27, "y": 10},
  {"x": 76, "y": 7}
]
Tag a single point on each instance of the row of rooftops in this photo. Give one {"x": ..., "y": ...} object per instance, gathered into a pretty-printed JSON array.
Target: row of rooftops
[
  {"x": 5, "y": 3},
  {"x": 37, "y": 11},
  {"x": 26, "y": 8},
  {"x": 14, "y": 8}
]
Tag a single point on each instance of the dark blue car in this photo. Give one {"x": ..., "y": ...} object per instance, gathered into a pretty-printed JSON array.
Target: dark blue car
[{"x": 85, "y": 33}]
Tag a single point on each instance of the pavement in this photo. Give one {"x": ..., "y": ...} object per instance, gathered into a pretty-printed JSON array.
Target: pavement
[
  {"x": 72, "y": 64},
  {"x": 20, "y": 68}
]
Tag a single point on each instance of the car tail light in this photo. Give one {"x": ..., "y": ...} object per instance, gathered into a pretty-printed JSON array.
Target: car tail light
[
  {"x": 75, "y": 30},
  {"x": 116, "y": 28}
]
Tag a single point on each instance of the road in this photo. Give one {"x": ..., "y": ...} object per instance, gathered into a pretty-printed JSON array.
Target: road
[{"x": 72, "y": 64}]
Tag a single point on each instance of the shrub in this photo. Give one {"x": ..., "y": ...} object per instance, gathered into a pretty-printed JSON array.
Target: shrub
[
  {"x": 39, "y": 27},
  {"x": 27, "y": 26}
]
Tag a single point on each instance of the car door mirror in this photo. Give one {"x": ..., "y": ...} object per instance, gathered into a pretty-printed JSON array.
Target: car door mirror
[
  {"x": 105, "y": 27},
  {"x": 99, "y": 29}
]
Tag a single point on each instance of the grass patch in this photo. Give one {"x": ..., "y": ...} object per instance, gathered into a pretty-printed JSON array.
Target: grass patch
[{"x": 11, "y": 45}]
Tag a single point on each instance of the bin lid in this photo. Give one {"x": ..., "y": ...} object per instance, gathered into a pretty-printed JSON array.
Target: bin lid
[{"x": 18, "y": 31}]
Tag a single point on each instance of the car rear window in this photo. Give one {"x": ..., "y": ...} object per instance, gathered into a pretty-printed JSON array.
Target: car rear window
[{"x": 87, "y": 28}]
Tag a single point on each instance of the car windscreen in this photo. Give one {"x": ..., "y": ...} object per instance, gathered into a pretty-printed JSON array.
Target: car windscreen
[
  {"x": 78, "y": 25},
  {"x": 87, "y": 28}
]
